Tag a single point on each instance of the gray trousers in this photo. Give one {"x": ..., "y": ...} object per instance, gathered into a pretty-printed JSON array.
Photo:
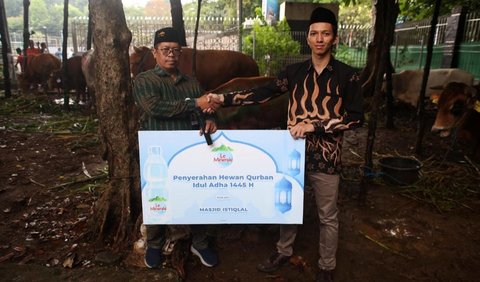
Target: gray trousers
[{"x": 325, "y": 187}]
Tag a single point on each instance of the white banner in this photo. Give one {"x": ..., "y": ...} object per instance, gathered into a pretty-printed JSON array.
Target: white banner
[{"x": 245, "y": 176}]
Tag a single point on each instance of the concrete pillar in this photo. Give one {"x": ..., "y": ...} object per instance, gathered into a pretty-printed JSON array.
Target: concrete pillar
[{"x": 453, "y": 37}]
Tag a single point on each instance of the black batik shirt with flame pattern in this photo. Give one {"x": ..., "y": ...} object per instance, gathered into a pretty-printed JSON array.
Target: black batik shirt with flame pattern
[{"x": 331, "y": 101}]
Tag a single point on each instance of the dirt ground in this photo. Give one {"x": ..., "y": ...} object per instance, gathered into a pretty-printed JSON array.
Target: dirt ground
[{"x": 427, "y": 231}]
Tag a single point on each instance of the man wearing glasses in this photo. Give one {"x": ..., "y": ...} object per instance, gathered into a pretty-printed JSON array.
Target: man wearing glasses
[{"x": 168, "y": 100}]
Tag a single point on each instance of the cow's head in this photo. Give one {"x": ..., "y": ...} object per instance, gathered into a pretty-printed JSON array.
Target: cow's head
[
  {"x": 141, "y": 59},
  {"x": 455, "y": 103}
]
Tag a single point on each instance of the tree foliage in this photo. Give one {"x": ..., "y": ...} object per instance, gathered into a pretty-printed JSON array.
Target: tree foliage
[
  {"x": 38, "y": 14},
  {"x": 43, "y": 14},
  {"x": 13, "y": 8},
  {"x": 157, "y": 8},
  {"x": 221, "y": 8},
  {"x": 359, "y": 13},
  {"x": 270, "y": 44},
  {"x": 411, "y": 10},
  {"x": 49, "y": 13},
  {"x": 131, "y": 11}
]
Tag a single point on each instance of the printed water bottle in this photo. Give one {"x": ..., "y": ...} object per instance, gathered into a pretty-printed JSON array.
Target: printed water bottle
[{"x": 155, "y": 173}]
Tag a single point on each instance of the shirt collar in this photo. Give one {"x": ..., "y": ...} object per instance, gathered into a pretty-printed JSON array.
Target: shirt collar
[
  {"x": 161, "y": 72},
  {"x": 328, "y": 67}
]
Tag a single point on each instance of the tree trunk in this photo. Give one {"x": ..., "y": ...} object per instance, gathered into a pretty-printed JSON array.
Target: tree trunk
[
  {"x": 372, "y": 77},
  {"x": 5, "y": 50},
  {"x": 177, "y": 20},
  {"x": 240, "y": 26},
  {"x": 389, "y": 123},
  {"x": 426, "y": 73},
  {"x": 89, "y": 28},
  {"x": 66, "y": 98},
  {"x": 26, "y": 33},
  {"x": 195, "y": 36},
  {"x": 119, "y": 208}
]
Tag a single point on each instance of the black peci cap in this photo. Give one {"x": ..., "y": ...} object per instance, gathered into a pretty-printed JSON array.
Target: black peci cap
[
  {"x": 324, "y": 15},
  {"x": 167, "y": 34}
]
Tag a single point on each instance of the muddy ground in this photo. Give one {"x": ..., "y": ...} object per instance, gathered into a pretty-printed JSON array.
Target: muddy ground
[{"x": 428, "y": 231}]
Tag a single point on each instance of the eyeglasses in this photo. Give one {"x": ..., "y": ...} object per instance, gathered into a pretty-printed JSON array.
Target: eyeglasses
[{"x": 166, "y": 51}]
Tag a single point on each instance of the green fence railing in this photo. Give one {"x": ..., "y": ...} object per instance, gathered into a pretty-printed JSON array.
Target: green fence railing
[
  {"x": 469, "y": 58},
  {"x": 413, "y": 57}
]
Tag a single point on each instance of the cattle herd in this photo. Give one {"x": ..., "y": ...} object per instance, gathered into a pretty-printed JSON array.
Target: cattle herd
[
  {"x": 213, "y": 67},
  {"x": 45, "y": 71},
  {"x": 458, "y": 113}
]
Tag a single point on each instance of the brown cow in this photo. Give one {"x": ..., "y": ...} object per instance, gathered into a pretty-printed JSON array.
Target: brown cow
[
  {"x": 74, "y": 78},
  {"x": 39, "y": 70},
  {"x": 458, "y": 114},
  {"x": 88, "y": 70},
  {"x": 214, "y": 67},
  {"x": 269, "y": 115}
]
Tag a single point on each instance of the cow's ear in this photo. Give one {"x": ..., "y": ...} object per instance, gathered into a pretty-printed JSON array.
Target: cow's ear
[
  {"x": 434, "y": 97},
  {"x": 137, "y": 49}
]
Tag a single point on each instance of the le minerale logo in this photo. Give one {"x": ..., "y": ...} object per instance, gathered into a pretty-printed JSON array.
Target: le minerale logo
[
  {"x": 157, "y": 199},
  {"x": 158, "y": 204},
  {"x": 223, "y": 155}
]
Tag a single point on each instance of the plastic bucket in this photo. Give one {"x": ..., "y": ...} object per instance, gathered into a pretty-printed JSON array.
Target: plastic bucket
[{"x": 400, "y": 170}]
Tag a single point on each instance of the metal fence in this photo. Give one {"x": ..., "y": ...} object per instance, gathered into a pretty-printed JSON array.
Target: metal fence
[
  {"x": 416, "y": 33},
  {"x": 409, "y": 50},
  {"x": 472, "y": 28},
  {"x": 353, "y": 44},
  {"x": 222, "y": 34},
  {"x": 213, "y": 32}
]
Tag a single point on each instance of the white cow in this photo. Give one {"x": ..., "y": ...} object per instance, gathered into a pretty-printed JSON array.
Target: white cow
[{"x": 407, "y": 83}]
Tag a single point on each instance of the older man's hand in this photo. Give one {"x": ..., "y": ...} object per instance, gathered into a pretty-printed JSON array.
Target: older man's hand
[{"x": 208, "y": 104}]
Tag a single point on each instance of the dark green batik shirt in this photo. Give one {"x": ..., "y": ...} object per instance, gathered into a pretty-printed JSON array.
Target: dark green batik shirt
[{"x": 165, "y": 104}]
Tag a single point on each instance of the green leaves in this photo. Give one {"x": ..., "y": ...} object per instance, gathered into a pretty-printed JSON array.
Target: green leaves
[{"x": 270, "y": 44}]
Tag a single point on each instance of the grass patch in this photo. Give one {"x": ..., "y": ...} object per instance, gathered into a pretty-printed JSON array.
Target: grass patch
[
  {"x": 40, "y": 114},
  {"x": 446, "y": 185}
]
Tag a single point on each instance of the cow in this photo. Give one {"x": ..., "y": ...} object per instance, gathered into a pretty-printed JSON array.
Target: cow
[
  {"x": 74, "y": 78},
  {"x": 88, "y": 70},
  {"x": 458, "y": 114},
  {"x": 213, "y": 68},
  {"x": 269, "y": 115},
  {"x": 407, "y": 83},
  {"x": 39, "y": 70}
]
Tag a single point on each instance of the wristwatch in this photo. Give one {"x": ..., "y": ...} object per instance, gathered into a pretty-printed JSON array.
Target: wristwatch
[{"x": 190, "y": 99}]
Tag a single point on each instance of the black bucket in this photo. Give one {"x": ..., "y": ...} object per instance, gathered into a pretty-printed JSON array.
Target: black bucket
[{"x": 400, "y": 170}]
